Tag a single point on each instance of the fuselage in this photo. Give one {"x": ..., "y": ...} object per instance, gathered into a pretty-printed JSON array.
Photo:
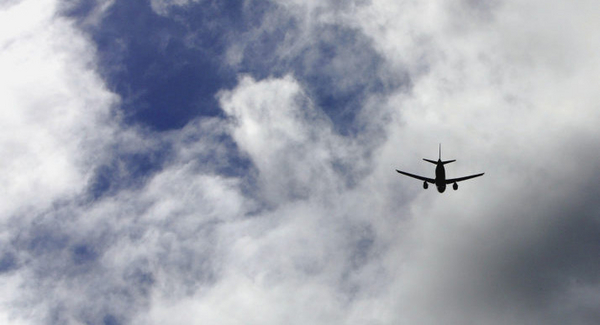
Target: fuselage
[{"x": 440, "y": 176}]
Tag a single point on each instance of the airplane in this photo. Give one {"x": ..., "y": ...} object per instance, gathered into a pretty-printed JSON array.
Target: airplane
[{"x": 440, "y": 180}]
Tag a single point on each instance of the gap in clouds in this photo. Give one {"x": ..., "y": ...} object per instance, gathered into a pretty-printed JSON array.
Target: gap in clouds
[
  {"x": 167, "y": 71},
  {"x": 337, "y": 65},
  {"x": 146, "y": 58},
  {"x": 128, "y": 170},
  {"x": 134, "y": 162},
  {"x": 168, "y": 66},
  {"x": 79, "y": 8}
]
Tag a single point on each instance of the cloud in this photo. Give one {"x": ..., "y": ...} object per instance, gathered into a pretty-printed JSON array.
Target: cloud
[
  {"x": 303, "y": 241},
  {"x": 162, "y": 6},
  {"x": 335, "y": 63},
  {"x": 56, "y": 109},
  {"x": 498, "y": 99},
  {"x": 268, "y": 214},
  {"x": 55, "y": 127},
  {"x": 288, "y": 141}
]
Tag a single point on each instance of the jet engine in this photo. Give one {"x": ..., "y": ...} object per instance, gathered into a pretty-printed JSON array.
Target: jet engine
[
  {"x": 425, "y": 185},
  {"x": 455, "y": 186}
]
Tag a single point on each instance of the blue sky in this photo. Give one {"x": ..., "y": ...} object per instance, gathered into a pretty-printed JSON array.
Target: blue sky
[
  {"x": 232, "y": 162},
  {"x": 168, "y": 69}
]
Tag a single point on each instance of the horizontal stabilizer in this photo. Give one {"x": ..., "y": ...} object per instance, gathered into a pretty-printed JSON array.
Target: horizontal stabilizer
[
  {"x": 431, "y": 161},
  {"x": 436, "y": 162}
]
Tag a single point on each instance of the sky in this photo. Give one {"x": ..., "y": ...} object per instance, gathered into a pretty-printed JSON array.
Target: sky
[{"x": 232, "y": 162}]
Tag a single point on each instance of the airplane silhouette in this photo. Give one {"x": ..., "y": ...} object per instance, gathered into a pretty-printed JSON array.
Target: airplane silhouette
[{"x": 440, "y": 180}]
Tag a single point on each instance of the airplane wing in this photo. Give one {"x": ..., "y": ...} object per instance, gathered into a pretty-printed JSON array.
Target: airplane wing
[
  {"x": 454, "y": 180},
  {"x": 429, "y": 180}
]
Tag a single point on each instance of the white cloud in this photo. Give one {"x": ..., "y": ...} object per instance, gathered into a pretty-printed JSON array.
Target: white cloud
[
  {"x": 162, "y": 7},
  {"x": 291, "y": 247},
  {"x": 288, "y": 140},
  {"x": 53, "y": 127},
  {"x": 53, "y": 104}
]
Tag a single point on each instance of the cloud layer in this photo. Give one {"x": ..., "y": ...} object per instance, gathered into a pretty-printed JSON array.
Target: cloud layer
[{"x": 283, "y": 206}]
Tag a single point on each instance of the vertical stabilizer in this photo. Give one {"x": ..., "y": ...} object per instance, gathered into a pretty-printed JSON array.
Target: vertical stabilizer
[
  {"x": 447, "y": 161},
  {"x": 439, "y": 158}
]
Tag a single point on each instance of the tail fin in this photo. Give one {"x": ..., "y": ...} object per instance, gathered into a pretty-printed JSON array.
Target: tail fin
[
  {"x": 440, "y": 158},
  {"x": 447, "y": 161}
]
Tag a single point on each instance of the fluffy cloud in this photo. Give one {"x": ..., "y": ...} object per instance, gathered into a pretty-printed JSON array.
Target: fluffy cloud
[
  {"x": 55, "y": 127},
  {"x": 303, "y": 246},
  {"x": 290, "y": 144},
  {"x": 54, "y": 107}
]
